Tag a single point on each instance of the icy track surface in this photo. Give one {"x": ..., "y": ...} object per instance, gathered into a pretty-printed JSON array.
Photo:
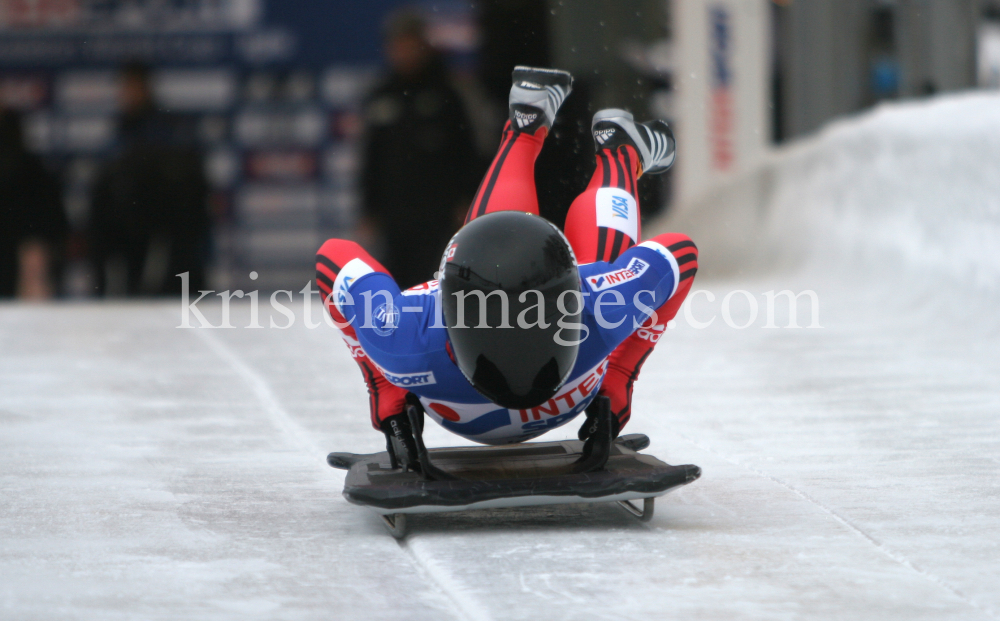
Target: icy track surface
[{"x": 850, "y": 471}]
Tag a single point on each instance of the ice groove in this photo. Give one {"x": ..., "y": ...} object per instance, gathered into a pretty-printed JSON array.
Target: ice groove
[{"x": 465, "y": 606}]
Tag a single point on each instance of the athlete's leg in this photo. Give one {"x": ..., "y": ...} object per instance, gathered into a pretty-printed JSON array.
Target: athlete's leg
[
  {"x": 509, "y": 184},
  {"x": 627, "y": 359},
  {"x": 384, "y": 399},
  {"x": 603, "y": 221}
]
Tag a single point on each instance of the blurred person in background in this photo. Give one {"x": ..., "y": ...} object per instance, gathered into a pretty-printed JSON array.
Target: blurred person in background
[
  {"x": 149, "y": 217},
  {"x": 33, "y": 225},
  {"x": 415, "y": 128}
]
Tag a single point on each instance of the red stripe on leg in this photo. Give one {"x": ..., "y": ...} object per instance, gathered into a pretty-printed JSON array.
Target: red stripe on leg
[
  {"x": 590, "y": 243},
  {"x": 509, "y": 184}
]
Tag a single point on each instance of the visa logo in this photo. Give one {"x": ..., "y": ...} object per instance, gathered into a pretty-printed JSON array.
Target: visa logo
[{"x": 619, "y": 207}]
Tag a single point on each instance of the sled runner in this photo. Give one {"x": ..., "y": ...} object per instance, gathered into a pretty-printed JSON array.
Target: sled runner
[{"x": 517, "y": 475}]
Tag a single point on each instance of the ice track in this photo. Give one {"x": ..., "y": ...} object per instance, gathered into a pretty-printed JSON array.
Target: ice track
[{"x": 852, "y": 471}]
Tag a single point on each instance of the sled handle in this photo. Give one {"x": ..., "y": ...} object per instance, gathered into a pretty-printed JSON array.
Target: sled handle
[
  {"x": 634, "y": 441},
  {"x": 600, "y": 443},
  {"x": 343, "y": 461},
  {"x": 429, "y": 470}
]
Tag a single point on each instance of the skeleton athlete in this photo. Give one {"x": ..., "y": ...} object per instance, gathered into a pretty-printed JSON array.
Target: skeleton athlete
[{"x": 526, "y": 324}]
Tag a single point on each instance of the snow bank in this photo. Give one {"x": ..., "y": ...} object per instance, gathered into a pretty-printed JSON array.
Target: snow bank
[{"x": 920, "y": 180}]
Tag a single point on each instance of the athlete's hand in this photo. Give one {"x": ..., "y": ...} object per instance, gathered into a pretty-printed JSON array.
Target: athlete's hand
[
  {"x": 399, "y": 442},
  {"x": 598, "y": 432},
  {"x": 589, "y": 427}
]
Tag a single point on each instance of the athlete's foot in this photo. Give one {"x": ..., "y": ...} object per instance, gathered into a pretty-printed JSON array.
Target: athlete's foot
[
  {"x": 653, "y": 140},
  {"x": 536, "y": 95}
]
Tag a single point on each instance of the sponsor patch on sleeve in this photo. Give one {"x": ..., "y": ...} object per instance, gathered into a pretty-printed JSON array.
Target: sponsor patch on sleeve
[
  {"x": 427, "y": 288},
  {"x": 355, "y": 269},
  {"x": 385, "y": 319},
  {"x": 634, "y": 269},
  {"x": 669, "y": 256},
  {"x": 410, "y": 380}
]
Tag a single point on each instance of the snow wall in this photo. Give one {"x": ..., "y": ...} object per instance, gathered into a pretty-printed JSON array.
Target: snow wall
[{"x": 916, "y": 182}]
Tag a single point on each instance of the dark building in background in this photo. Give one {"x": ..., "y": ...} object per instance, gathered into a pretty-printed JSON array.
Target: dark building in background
[
  {"x": 592, "y": 39},
  {"x": 518, "y": 32},
  {"x": 512, "y": 32},
  {"x": 275, "y": 91},
  {"x": 837, "y": 57}
]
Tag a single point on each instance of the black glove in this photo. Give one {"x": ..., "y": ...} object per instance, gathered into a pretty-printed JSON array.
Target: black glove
[
  {"x": 399, "y": 442},
  {"x": 594, "y": 428},
  {"x": 589, "y": 426}
]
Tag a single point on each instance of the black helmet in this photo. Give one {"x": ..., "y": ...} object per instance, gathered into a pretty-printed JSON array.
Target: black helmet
[{"x": 519, "y": 360}]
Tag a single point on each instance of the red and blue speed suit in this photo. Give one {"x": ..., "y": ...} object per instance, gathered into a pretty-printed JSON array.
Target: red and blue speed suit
[{"x": 622, "y": 283}]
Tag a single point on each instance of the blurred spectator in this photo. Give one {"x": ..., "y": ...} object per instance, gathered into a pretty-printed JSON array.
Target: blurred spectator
[
  {"x": 149, "y": 218},
  {"x": 420, "y": 165},
  {"x": 33, "y": 224}
]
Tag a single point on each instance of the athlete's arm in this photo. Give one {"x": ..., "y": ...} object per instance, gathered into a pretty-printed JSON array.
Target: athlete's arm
[
  {"x": 622, "y": 295},
  {"x": 391, "y": 327}
]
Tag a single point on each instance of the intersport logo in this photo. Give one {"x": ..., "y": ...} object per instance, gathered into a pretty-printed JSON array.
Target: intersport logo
[
  {"x": 600, "y": 282},
  {"x": 406, "y": 380}
]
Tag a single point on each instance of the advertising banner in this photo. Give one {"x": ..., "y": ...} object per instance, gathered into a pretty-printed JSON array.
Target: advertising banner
[{"x": 722, "y": 82}]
